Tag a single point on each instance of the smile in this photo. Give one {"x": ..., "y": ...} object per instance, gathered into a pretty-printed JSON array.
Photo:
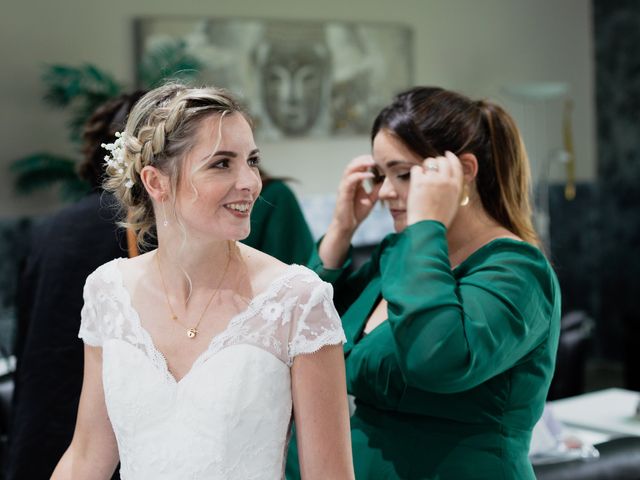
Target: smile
[{"x": 240, "y": 209}]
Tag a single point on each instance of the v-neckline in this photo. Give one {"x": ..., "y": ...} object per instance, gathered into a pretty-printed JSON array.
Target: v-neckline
[
  {"x": 454, "y": 271},
  {"x": 252, "y": 307}
]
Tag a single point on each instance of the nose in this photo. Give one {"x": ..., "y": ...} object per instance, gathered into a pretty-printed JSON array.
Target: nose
[
  {"x": 387, "y": 191},
  {"x": 249, "y": 180}
]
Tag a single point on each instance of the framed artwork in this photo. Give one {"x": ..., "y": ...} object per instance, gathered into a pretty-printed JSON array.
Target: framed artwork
[{"x": 297, "y": 78}]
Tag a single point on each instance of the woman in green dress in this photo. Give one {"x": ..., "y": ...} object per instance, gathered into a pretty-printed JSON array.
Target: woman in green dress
[
  {"x": 278, "y": 226},
  {"x": 453, "y": 324}
]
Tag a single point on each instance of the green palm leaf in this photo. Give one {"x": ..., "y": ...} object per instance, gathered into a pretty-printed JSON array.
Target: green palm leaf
[
  {"x": 167, "y": 61},
  {"x": 82, "y": 89},
  {"x": 79, "y": 91},
  {"x": 42, "y": 170},
  {"x": 66, "y": 84}
]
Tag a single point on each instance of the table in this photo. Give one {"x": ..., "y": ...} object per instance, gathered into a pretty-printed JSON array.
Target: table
[
  {"x": 606, "y": 418},
  {"x": 611, "y": 412}
]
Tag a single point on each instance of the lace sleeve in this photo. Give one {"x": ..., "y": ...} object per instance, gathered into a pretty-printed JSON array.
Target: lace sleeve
[
  {"x": 89, "y": 326},
  {"x": 317, "y": 323}
]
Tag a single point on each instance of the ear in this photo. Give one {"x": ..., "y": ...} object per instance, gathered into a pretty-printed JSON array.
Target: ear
[
  {"x": 156, "y": 183},
  {"x": 469, "y": 164}
]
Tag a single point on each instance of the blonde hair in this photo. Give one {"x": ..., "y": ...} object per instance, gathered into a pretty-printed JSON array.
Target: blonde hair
[{"x": 160, "y": 131}]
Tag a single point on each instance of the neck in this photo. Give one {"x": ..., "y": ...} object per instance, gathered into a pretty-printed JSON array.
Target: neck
[
  {"x": 204, "y": 263},
  {"x": 471, "y": 228}
]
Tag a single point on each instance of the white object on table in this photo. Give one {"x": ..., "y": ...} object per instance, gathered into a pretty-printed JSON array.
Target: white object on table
[{"x": 612, "y": 411}]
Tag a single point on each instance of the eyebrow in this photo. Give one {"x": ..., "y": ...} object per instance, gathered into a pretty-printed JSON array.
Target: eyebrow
[
  {"x": 394, "y": 163},
  {"x": 229, "y": 153}
]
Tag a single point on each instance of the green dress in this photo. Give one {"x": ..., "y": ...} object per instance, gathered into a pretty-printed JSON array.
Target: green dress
[
  {"x": 278, "y": 226},
  {"x": 452, "y": 384}
]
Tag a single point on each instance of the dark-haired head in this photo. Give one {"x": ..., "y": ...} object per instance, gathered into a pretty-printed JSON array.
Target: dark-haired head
[
  {"x": 432, "y": 120},
  {"x": 101, "y": 127}
]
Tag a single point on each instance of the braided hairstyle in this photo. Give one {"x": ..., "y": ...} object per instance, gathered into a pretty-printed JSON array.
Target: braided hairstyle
[
  {"x": 160, "y": 131},
  {"x": 432, "y": 120}
]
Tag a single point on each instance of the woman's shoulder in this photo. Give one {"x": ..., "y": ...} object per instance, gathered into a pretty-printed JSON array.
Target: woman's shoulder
[
  {"x": 266, "y": 270},
  {"x": 104, "y": 282},
  {"x": 119, "y": 270},
  {"x": 106, "y": 271},
  {"x": 509, "y": 247},
  {"x": 510, "y": 259}
]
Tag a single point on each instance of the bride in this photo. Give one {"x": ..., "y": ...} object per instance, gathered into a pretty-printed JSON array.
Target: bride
[{"x": 200, "y": 353}]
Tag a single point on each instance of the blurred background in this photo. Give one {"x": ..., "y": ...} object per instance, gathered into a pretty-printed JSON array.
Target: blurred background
[{"x": 567, "y": 70}]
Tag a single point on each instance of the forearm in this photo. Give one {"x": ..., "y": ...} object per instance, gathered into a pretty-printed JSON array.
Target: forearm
[
  {"x": 334, "y": 248},
  {"x": 322, "y": 415},
  {"x": 79, "y": 464},
  {"x": 93, "y": 452},
  {"x": 451, "y": 334},
  {"x": 63, "y": 470}
]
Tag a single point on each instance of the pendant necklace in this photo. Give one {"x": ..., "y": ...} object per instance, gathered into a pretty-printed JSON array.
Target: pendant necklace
[{"x": 192, "y": 331}]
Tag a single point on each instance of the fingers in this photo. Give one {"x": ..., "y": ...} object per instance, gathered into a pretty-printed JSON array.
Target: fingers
[
  {"x": 354, "y": 180},
  {"x": 440, "y": 166},
  {"x": 361, "y": 163},
  {"x": 434, "y": 189},
  {"x": 357, "y": 171},
  {"x": 418, "y": 170},
  {"x": 371, "y": 197},
  {"x": 355, "y": 198},
  {"x": 456, "y": 166},
  {"x": 445, "y": 166}
]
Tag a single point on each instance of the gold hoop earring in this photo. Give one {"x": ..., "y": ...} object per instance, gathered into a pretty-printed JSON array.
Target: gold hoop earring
[{"x": 465, "y": 196}]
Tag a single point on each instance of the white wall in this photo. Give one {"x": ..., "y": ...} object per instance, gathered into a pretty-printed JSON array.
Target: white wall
[{"x": 475, "y": 46}]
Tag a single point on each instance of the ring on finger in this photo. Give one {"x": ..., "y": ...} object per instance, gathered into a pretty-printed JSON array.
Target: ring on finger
[{"x": 432, "y": 167}]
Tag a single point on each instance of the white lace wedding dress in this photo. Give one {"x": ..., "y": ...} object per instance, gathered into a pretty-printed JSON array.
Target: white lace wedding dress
[{"x": 229, "y": 417}]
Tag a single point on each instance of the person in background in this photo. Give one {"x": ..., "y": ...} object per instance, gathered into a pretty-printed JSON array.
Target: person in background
[
  {"x": 278, "y": 225},
  {"x": 64, "y": 249},
  {"x": 452, "y": 326}
]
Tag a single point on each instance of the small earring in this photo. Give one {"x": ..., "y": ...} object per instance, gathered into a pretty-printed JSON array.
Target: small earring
[
  {"x": 465, "y": 196},
  {"x": 164, "y": 213}
]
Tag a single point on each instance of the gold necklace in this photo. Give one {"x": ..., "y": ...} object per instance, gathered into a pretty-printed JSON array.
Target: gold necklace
[{"x": 192, "y": 331}]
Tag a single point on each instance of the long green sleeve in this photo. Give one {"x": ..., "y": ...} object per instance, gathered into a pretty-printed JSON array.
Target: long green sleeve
[
  {"x": 453, "y": 332},
  {"x": 347, "y": 283}
]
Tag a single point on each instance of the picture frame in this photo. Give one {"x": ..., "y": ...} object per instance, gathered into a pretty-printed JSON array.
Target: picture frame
[{"x": 296, "y": 78}]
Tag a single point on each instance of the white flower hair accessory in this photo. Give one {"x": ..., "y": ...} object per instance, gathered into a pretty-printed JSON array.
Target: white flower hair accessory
[{"x": 115, "y": 160}]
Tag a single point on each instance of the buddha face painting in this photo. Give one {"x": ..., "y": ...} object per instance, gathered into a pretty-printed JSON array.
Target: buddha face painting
[{"x": 294, "y": 76}]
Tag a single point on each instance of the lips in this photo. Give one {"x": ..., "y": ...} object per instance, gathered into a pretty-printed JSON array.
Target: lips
[
  {"x": 239, "y": 209},
  {"x": 396, "y": 212}
]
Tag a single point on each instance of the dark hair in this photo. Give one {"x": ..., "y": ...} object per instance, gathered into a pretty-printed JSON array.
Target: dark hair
[
  {"x": 101, "y": 127},
  {"x": 432, "y": 120}
]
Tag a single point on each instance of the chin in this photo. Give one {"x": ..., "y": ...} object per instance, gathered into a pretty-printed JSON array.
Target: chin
[
  {"x": 399, "y": 226},
  {"x": 240, "y": 234}
]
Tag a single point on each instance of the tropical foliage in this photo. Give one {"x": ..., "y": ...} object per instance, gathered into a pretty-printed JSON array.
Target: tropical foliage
[{"x": 78, "y": 91}]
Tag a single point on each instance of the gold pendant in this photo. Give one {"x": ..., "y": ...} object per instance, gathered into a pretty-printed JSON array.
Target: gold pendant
[{"x": 192, "y": 332}]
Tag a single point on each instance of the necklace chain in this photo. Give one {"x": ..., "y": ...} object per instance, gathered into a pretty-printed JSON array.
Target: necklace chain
[{"x": 192, "y": 331}]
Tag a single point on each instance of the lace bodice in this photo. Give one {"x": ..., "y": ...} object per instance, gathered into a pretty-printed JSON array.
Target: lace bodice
[{"x": 229, "y": 416}]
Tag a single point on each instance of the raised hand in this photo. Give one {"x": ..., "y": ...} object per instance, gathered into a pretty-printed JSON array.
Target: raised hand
[
  {"x": 435, "y": 189},
  {"x": 353, "y": 204}
]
